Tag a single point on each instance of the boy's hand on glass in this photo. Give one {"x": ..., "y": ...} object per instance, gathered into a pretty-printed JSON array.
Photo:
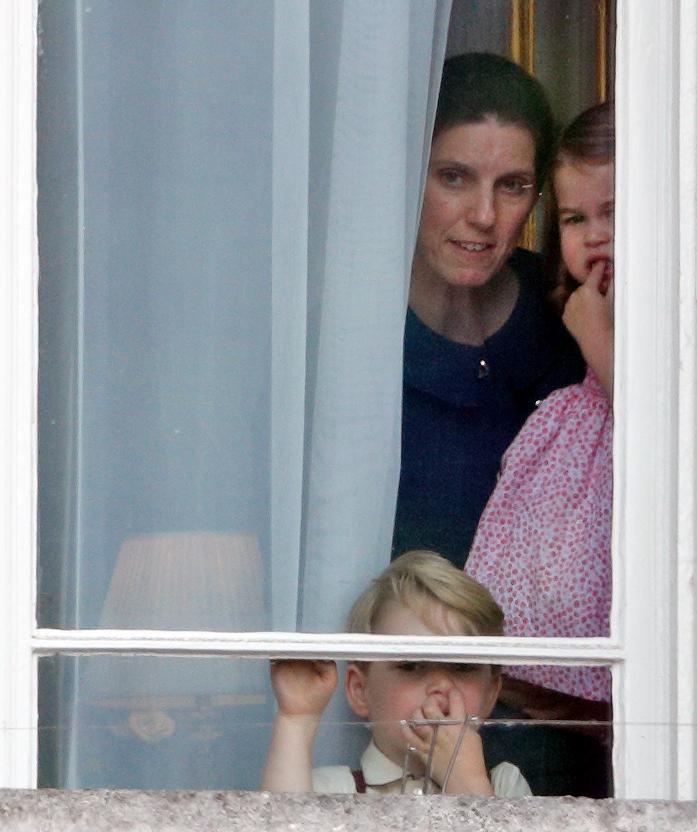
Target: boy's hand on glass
[
  {"x": 303, "y": 687},
  {"x": 468, "y": 773}
]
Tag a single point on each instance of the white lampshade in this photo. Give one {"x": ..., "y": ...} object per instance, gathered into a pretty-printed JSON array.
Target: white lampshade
[
  {"x": 184, "y": 581},
  {"x": 187, "y": 581}
]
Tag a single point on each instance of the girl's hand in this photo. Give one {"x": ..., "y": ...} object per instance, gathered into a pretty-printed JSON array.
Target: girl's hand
[
  {"x": 589, "y": 317},
  {"x": 468, "y": 774},
  {"x": 303, "y": 687}
]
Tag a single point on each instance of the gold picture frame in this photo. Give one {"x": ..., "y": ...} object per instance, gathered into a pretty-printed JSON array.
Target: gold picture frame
[{"x": 521, "y": 49}]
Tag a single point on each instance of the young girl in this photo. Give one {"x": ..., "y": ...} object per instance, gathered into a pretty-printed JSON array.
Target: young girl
[{"x": 542, "y": 547}]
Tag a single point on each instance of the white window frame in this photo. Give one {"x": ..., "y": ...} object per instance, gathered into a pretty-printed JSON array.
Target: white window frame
[{"x": 652, "y": 649}]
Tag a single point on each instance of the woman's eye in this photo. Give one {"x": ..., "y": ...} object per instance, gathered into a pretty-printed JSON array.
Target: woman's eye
[
  {"x": 451, "y": 177},
  {"x": 572, "y": 219},
  {"x": 515, "y": 186}
]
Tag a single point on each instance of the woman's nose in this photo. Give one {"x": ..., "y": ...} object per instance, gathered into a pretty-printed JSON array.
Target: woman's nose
[{"x": 481, "y": 209}]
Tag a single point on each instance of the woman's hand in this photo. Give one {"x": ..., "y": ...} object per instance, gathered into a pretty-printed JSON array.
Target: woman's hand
[
  {"x": 589, "y": 317},
  {"x": 468, "y": 774},
  {"x": 303, "y": 687}
]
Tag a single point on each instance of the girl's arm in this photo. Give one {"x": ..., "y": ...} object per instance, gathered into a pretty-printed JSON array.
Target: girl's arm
[
  {"x": 588, "y": 315},
  {"x": 302, "y": 690}
]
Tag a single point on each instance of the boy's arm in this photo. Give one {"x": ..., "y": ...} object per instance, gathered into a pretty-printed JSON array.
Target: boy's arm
[
  {"x": 288, "y": 765},
  {"x": 468, "y": 774},
  {"x": 302, "y": 690}
]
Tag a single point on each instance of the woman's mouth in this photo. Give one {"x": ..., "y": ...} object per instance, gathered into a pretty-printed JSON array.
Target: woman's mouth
[{"x": 471, "y": 246}]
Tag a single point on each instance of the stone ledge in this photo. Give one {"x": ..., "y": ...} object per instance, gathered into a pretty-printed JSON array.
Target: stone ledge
[{"x": 179, "y": 811}]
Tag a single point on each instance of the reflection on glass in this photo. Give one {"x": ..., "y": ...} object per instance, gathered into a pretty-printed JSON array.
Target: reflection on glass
[{"x": 205, "y": 723}]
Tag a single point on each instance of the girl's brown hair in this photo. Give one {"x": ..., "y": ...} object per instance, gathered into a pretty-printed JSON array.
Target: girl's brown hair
[{"x": 590, "y": 138}]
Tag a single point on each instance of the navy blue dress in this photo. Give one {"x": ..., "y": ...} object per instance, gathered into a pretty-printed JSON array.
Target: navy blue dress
[{"x": 462, "y": 407}]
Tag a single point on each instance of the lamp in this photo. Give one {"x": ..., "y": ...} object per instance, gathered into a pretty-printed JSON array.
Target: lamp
[{"x": 184, "y": 581}]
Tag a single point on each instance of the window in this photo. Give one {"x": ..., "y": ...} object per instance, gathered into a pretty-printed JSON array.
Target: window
[{"x": 652, "y": 648}]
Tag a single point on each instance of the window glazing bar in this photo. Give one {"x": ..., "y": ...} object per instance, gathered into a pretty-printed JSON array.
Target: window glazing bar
[{"x": 338, "y": 646}]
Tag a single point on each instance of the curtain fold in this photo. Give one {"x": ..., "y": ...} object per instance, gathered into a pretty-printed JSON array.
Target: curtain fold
[
  {"x": 289, "y": 263},
  {"x": 386, "y": 75}
]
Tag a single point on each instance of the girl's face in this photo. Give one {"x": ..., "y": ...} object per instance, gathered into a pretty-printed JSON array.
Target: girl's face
[
  {"x": 480, "y": 188},
  {"x": 585, "y": 194}
]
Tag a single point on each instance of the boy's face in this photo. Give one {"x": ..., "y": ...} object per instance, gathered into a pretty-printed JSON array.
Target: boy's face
[{"x": 387, "y": 692}]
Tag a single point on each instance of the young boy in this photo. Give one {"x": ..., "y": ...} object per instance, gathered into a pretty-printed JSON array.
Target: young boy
[{"x": 420, "y": 593}]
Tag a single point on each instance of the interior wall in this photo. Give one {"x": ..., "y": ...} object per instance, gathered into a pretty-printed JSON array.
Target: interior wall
[{"x": 565, "y": 45}]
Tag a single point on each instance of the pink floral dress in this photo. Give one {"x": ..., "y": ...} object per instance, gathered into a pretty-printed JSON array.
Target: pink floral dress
[{"x": 542, "y": 547}]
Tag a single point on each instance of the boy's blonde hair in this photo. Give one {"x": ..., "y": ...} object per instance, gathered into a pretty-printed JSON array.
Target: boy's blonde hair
[{"x": 421, "y": 579}]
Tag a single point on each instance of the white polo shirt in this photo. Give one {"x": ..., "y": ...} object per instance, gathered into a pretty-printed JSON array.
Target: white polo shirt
[{"x": 382, "y": 776}]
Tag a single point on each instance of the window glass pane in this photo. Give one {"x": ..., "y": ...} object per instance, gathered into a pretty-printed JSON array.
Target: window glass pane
[
  {"x": 219, "y": 388},
  {"x": 166, "y": 498},
  {"x": 202, "y": 723},
  {"x": 150, "y": 722}
]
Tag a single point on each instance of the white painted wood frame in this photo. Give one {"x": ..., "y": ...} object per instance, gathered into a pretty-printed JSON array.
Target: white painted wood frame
[
  {"x": 18, "y": 365},
  {"x": 653, "y": 645}
]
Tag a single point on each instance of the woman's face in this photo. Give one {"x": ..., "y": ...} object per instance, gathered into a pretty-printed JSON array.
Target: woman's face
[{"x": 480, "y": 189}]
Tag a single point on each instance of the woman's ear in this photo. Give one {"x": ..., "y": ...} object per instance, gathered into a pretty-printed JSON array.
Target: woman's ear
[
  {"x": 355, "y": 687},
  {"x": 492, "y": 693}
]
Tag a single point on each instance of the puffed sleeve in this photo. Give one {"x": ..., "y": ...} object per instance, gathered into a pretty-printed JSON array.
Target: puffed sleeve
[{"x": 507, "y": 781}]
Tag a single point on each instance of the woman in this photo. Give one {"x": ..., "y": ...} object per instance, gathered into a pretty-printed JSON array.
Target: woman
[{"x": 481, "y": 345}]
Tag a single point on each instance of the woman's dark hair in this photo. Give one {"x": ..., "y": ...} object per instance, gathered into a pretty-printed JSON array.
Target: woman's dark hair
[
  {"x": 590, "y": 138},
  {"x": 479, "y": 85}
]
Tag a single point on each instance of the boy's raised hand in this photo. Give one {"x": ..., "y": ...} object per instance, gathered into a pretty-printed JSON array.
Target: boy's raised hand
[
  {"x": 589, "y": 317},
  {"x": 303, "y": 687},
  {"x": 468, "y": 774}
]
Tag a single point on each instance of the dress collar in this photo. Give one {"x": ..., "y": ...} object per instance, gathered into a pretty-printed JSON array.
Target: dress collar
[
  {"x": 592, "y": 384},
  {"x": 378, "y": 770},
  {"x": 381, "y": 774},
  {"x": 517, "y": 355}
]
